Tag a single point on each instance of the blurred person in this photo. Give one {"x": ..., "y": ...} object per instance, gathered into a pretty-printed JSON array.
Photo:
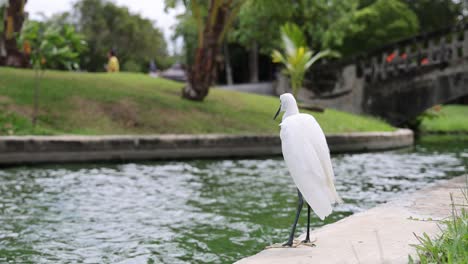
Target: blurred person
[
  {"x": 153, "y": 69},
  {"x": 113, "y": 63}
]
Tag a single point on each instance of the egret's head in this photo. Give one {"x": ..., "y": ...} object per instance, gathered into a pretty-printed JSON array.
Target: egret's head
[{"x": 286, "y": 100}]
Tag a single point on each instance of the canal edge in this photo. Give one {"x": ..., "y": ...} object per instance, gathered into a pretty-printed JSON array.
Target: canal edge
[{"x": 117, "y": 148}]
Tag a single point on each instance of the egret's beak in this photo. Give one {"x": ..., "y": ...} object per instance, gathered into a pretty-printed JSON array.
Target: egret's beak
[{"x": 277, "y": 113}]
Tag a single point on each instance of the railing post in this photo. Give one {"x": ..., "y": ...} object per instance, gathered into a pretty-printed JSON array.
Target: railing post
[
  {"x": 395, "y": 62},
  {"x": 454, "y": 46},
  {"x": 375, "y": 66},
  {"x": 465, "y": 44},
  {"x": 405, "y": 57},
  {"x": 383, "y": 67},
  {"x": 443, "y": 51},
  {"x": 457, "y": 45},
  {"x": 431, "y": 51}
]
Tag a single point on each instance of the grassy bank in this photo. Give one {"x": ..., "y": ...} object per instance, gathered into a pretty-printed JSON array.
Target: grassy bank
[
  {"x": 451, "y": 118},
  {"x": 89, "y": 103}
]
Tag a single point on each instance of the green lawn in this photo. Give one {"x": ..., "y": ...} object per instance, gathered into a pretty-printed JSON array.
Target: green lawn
[
  {"x": 99, "y": 103},
  {"x": 451, "y": 118}
]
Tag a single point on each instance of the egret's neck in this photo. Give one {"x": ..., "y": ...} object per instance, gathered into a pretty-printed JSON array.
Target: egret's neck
[{"x": 291, "y": 110}]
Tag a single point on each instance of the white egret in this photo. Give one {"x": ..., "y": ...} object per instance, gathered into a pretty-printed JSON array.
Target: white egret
[{"x": 307, "y": 157}]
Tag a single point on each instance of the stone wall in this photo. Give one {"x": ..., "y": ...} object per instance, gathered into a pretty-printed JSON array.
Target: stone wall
[{"x": 56, "y": 149}]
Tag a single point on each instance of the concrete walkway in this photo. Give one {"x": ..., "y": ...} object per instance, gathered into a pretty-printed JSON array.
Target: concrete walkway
[{"x": 379, "y": 235}]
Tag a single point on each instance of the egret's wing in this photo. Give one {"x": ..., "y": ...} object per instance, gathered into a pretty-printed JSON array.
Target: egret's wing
[
  {"x": 323, "y": 152},
  {"x": 306, "y": 154}
]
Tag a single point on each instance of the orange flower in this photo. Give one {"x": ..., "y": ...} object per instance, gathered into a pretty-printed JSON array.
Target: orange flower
[{"x": 43, "y": 61}]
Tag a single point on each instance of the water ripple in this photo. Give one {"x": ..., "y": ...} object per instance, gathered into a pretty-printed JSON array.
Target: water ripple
[{"x": 185, "y": 212}]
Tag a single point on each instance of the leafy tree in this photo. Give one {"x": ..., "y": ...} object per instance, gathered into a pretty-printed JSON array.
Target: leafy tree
[
  {"x": 297, "y": 57},
  {"x": 432, "y": 14},
  {"x": 257, "y": 26},
  {"x": 380, "y": 23},
  {"x": 325, "y": 23},
  {"x": 436, "y": 14},
  {"x": 50, "y": 47},
  {"x": 258, "y": 22},
  {"x": 256, "y": 29},
  {"x": 107, "y": 26},
  {"x": 186, "y": 29},
  {"x": 211, "y": 29}
]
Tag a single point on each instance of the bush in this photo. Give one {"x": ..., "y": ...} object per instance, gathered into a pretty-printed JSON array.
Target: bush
[{"x": 131, "y": 66}]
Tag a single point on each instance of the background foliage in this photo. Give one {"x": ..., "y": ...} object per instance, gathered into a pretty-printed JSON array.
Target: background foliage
[
  {"x": 55, "y": 47},
  {"x": 378, "y": 24},
  {"x": 347, "y": 26},
  {"x": 107, "y": 26}
]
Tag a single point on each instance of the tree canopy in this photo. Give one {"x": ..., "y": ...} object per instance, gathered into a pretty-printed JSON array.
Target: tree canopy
[
  {"x": 106, "y": 26},
  {"x": 432, "y": 14},
  {"x": 380, "y": 23},
  {"x": 436, "y": 14},
  {"x": 325, "y": 22},
  {"x": 348, "y": 26},
  {"x": 260, "y": 23}
]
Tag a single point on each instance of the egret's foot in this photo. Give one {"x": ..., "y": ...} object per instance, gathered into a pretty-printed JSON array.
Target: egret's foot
[
  {"x": 288, "y": 244},
  {"x": 309, "y": 242},
  {"x": 293, "y": 244}
]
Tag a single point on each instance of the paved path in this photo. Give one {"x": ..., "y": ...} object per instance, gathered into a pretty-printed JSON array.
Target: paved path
[{"x": 390, "y": 225}]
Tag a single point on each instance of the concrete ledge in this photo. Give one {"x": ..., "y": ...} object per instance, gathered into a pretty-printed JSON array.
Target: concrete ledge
[
  {"x": 370, "y": 141},
  {"x": 53, "y": 149},
  {"x": 380, "y": 235}
]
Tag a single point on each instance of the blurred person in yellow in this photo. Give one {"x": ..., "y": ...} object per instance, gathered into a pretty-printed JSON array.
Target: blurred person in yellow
[{"x": 113, "y": 63}]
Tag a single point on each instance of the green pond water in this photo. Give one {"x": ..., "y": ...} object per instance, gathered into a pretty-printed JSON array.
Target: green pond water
[{"x": 210, "y": 211}]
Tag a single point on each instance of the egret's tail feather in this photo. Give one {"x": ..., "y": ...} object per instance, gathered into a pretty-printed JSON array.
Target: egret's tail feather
[{"x": 322, "y": 213}]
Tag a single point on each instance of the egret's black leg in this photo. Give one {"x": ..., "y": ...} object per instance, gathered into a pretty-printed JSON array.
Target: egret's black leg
[
  {"x": 298, "y": 212},
  {"x": 307, "y": 239}
]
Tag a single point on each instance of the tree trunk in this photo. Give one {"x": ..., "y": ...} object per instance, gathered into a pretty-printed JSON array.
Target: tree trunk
[
  {"x": 203, "y": 71},
  {"x": 36, "y": 97},
  {"x": 2, "y": 51},
  {"x": 227, "y": 58},
  {"x": 253, "y": 62},
  {"x": 13, "y": 22}
]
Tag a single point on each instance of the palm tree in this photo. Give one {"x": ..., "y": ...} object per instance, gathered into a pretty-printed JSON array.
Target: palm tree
[{"x": 297, "y": 57}]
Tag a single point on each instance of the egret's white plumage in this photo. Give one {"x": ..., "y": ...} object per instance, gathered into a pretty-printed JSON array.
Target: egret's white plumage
[{"x": 307, "y": 157}]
